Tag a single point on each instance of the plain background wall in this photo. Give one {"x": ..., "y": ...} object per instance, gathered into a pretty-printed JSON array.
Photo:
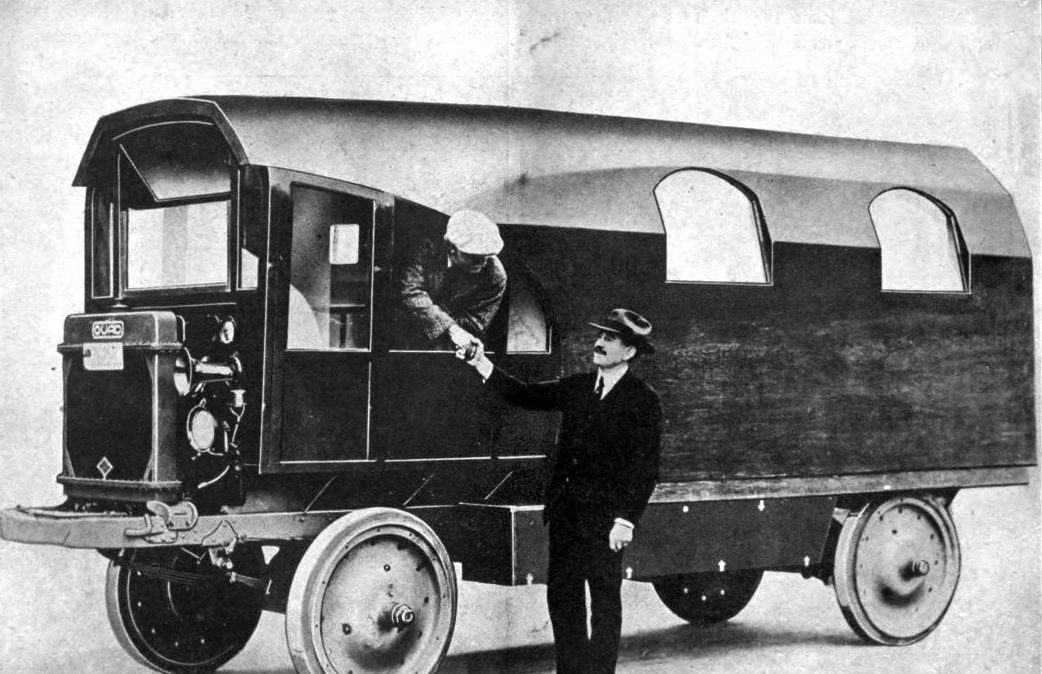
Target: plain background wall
[{"x": 955, "y": 72}]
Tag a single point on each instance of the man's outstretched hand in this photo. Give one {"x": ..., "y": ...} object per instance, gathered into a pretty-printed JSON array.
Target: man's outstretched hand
[
  {"x": 471, "y": 352},
  {"x": 462, "y": 339},
  {"x": 474, "y": 355}
]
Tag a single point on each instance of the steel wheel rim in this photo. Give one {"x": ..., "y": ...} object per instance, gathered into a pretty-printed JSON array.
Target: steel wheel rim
[
  {"x": 171, "y": 627},
  {"x": 900, "y": 572},
  {"x": 353, "y": 576}
]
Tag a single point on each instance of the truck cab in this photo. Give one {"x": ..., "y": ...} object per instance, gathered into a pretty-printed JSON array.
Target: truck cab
[{"x": 242, "y": 320}]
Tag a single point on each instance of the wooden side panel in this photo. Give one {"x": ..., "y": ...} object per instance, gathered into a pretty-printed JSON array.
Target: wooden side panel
[
  {"x": 507, "y": 545},
  {"x": 899, "y": 383},
  {"x": 480, "y": 538},
  {"x": 730, "y": 535},
  {"x": 820, "y": 373},
  {"x": 325, "y": 407},
  {"x": 679, "y": 538},
  {"x": 430, "y": 407}
]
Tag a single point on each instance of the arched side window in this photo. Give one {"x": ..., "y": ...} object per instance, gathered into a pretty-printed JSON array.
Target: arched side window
[
  {"x": 920, "y": 243},
  {"x": 528, "y": 330},
  {"x": 714, "y": 229}
]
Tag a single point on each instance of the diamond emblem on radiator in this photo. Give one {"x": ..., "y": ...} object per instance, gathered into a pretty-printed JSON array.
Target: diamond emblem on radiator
[{"x": 104, "y": 467}]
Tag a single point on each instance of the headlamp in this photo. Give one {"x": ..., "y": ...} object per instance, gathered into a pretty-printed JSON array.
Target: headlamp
[{"x": 201, "y": 428}]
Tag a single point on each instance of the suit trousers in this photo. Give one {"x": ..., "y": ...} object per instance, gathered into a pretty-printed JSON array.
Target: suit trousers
[{"x": 580, "y": 555}]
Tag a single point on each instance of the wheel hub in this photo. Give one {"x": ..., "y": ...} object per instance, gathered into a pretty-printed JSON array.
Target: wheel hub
[
  {"x": 382, "y": 627},
  {"x": 399, "y": 616},
  {"x": 917, "y": 568}
]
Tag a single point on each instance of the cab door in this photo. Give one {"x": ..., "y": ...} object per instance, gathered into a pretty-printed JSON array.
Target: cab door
[{"x": 323, "y": 320}]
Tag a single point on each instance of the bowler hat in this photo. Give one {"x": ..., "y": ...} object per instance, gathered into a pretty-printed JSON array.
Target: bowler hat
[
  {"x": 473, "y": 233},
  {"x": 631, "y": 326}
]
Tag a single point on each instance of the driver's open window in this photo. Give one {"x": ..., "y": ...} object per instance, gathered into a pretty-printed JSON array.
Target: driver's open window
[
  {"x": 419, "y": 234},
  {"x": 433, "y": 291},
  {"x": 330, "y": 294}
]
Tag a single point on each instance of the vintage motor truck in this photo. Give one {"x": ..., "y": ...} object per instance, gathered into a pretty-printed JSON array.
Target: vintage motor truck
[{"x": 844, "y": 333}]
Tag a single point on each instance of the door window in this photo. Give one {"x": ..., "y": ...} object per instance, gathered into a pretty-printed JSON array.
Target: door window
[{"x": 330, "y": 295}]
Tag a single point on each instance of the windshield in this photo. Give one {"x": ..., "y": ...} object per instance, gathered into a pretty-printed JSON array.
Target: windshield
[
  {"x": 175, "y": 197},
  {"x": 177, "y": 246}
]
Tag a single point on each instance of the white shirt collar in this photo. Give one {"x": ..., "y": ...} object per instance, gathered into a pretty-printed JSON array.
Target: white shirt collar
[{"x": 611, "y": 377}]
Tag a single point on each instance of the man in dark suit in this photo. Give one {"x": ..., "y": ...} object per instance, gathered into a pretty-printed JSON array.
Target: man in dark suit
[{"x": 603, "y": 474}]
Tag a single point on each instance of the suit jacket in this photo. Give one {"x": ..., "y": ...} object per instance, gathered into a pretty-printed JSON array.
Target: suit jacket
[
  {"x": 607, "y": 451},
  {"x": 435, "y": 296}
]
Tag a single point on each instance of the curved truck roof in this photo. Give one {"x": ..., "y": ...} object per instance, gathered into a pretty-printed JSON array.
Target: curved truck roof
[{"x": 561, "y": 169}]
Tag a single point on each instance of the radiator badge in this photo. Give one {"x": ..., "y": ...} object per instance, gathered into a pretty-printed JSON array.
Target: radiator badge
[
  {"x": 109, "y": 329},
  {"x": 104, "y": 467}
]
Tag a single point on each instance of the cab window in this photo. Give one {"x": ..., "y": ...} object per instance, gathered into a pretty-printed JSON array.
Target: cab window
[{"x": 101, "y": 233}]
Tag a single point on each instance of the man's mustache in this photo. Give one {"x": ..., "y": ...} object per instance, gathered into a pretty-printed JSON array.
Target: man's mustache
[{"x": 599, "y": 350}]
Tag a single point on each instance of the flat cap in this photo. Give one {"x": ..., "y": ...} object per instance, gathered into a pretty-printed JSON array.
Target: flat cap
[{"x": 473, "y": 233}]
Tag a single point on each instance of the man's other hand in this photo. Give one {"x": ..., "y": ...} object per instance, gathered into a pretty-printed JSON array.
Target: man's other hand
[{"x": 621, "y": 535}]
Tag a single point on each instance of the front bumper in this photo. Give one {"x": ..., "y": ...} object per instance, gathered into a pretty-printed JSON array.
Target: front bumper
[{"x": 164, "y": 525}]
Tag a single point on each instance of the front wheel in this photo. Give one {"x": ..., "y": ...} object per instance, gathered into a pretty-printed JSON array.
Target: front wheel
[
  {"x": 174, "y": 611},
  {"x": 707, "y": 598},
  {"x": 375, "y": 592}
]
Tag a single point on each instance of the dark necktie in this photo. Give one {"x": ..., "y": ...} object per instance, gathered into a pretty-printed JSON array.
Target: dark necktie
[{"x": 599, "y": 389}]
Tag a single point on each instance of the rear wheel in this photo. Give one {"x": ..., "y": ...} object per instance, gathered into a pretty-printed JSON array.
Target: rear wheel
[
  {"x": 172, "y": 610},
  {"x": 707, "y": 598},
  {"x": 896, "y": 568}
]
